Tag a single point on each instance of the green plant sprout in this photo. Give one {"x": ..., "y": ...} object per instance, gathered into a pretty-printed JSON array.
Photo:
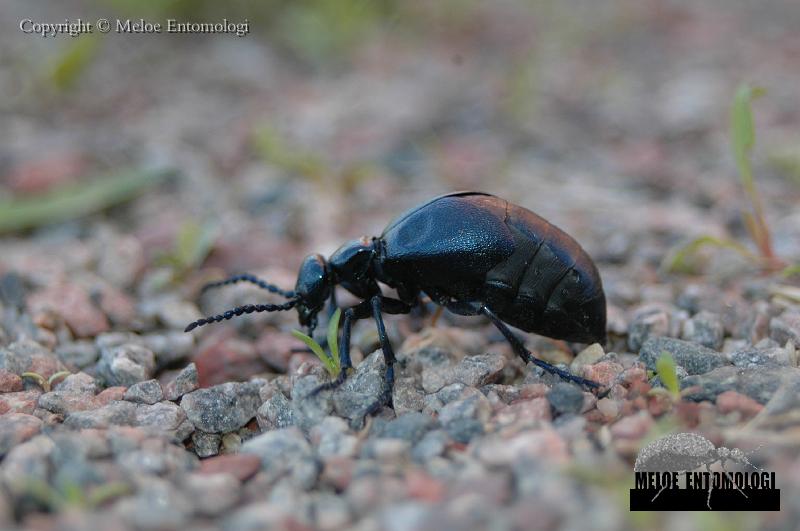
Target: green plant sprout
[
  {"x": 742, "y": 133},
  {"x": 667, "y": 372},
  {"x": 45, "y": 383},
  {"x": 330, "y": 361}
]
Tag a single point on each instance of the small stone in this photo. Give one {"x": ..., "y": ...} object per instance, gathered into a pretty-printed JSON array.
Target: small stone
[
  {"x": 126, "y": 364},
  {"x": 759, "y": 384},
  {"x": 241, "y": 466},
  {"x": 119, "y": 413},
  {"x": 169, "y": 347},
  {"x": 786, "y": 327},
  {"x": 206, "y": 444},
  {"x": 704, "y": 328},
  {"x": 275, "y": 413},
  {"x": 79, "y": 383},
  {"x": 74, "y": 304},
  {"x": 632, "y": 427},
  {"x": 147, "y": 392},
  {"x": 19, "y": 402},
  {"x": 166, "y": 417},
  {"x": 647, "y": 322},
  {"x": 29, "y": 356},
  {"x": 213, "y": 493},
  {"x": 407, "y": 397},
  {"x": 588, "y": 356},
  {"x": 64, "y": 403},
  {"x": 410, "y": 427},
  {"x": 78, "y": 355},
  {"x": 524, "y": 412},
  {"x": 433, "y": 444},
  {"x": 185, "y": 382},
  {"x": 16, "y": 428},
  {"x": 754, "y": 356},
  {"x": 332, "y": 437},
  {"x": 730, "y": 401},
  {"x": 9, "y": 382},
  {"x": 542, "y": 444},
  {"x": 696, "y": 359},
  {"x": 565, "y": 398},
  {"x": 463, "y": 430},
  {"x": 386, "y": 450},
  {"x": 285, "y": 453},
  {"x": 609, "y": 408},
  {"x": 474, "y": 371},
  {"x": 360, "y": 391},
  {"x": 222, "y": 408},
  {"x": 308, "y": 410},
  {"x": 606, "y": 373}
]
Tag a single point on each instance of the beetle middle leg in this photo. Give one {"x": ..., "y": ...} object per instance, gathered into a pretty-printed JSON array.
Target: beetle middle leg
[{"x": 525, "y": 354}]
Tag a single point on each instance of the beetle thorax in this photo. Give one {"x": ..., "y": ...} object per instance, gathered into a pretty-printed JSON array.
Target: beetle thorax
[{"x": 352, "y": 262}]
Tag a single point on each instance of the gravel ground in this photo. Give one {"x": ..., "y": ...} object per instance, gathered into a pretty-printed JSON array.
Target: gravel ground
[{"x": 607, "y": 118}]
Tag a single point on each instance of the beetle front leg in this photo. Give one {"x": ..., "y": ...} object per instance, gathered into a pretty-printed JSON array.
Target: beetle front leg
[
  {"x": 525, "y": 354},
  {"x": 360, "y": 311}
]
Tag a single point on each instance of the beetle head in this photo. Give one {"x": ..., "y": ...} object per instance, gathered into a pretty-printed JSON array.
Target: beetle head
[
  {"x": 314, "y": 283},
  {"x": 352, "y": 261}
]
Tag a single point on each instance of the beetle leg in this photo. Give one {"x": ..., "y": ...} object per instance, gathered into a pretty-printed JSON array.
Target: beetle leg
[
  {"x": 525, "y": 354},
  {"x": 380, "y": 304}
]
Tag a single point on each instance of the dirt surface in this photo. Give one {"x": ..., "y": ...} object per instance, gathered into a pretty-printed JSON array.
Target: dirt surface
[{"x": 610, "y": 119}]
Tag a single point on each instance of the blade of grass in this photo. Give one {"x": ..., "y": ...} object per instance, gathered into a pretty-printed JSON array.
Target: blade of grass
[
  {"x": 333, "y": 338},
  {"x": 76, "y": 200},
  {"x": 678, "y": 262},
  {"x": 316, "y": 349}
]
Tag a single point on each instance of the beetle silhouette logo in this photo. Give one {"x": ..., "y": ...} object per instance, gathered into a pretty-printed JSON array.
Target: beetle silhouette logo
[{"x": 684, "y": 452}]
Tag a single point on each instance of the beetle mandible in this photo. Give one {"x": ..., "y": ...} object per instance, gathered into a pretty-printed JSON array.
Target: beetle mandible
[
  {"x": 683, "y": 452},
  {"x": 470, "y": 252}
]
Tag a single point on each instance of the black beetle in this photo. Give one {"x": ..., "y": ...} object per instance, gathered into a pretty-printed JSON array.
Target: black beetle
[{"x": 470, "y": 252}]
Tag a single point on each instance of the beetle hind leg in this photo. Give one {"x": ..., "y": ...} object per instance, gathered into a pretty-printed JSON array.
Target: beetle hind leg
[{"x": 526, "y": 355}]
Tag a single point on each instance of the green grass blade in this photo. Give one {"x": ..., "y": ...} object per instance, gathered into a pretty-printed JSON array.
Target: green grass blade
[
  {"x": 333, "y": 338},
  {"x": 678, "y": 260},
  {"x": 316, "y": 349},
  {"x": 76, "y": 201},
  {"x": 743, "y": 134},
  {"x": 666, "y": 370}
]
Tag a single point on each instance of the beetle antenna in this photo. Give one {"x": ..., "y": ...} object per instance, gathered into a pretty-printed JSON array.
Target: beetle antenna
[
  {"x": 252, "y": 279},
  {"x": 240, "y": 310}
]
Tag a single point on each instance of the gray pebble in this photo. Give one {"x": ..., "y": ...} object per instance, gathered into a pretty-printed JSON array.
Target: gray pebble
[
  {"x": 464, "y": 429},
  {"x": 78, "y": 355},
  {"x": 409, "y": 427},
  {"x": 285, "y": 452},
  {"x": 704, "y": 328},
  {"x": 222, "y": 408},
  {"x": 759, "y": 384},
  {"x": 275, "y": 413},
  {"x": 433, "y": 444},
  {"x": 206, "y": 444},
  {"x": 147, "y": 392},
  {"x": 79, "y": 383},
  {"x": 786, "y": 327},
  {"x": 647, "y": 322},
  {"x": 565, "y": 398},
  {"x": 126, "y": 364},
  {"x": 696, "y": 359},
  {"x": 362, "y": 389},
  {"x": 185, "y": 382}
]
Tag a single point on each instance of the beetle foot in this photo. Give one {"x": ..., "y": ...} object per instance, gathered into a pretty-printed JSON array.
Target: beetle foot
[
  {"x": 385, "y": 399},
  {"x": 329, "y": 386},
  {"x": 568, "y": 376}
]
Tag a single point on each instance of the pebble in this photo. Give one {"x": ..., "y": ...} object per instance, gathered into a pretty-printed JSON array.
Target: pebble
[
  {"x": 647, "y": 322},
  {"x": 9, "y": 382},
  {"x": 241, "y": 466},
  {"x": 695, "y": 358},
  {"x": 147, "y": 392},
  {"x": 78, "y": 355},
  {"x": 28, "y": 356},
  {"x": 275, "y": 413},
  {"x": 77, "y": 383},
  {"x": 16, "y": 428},
  {"x": 755, "y": 356},
  {"x": 633, "y": 426},
  {"x": 410, "y": 427},
  {"x": 19, "y": 402},
  {"x": 285, "y": 452},
  {"x": 332, "y": 437},
  {"x": 126, "y": 364},
  {"x": 565, "y": 398},
  {"x": 786, "y": 327},
  {"x": 544, "y": 443},
  {"x": 704, "y": 328},
  {"x": 213, "y": 493},
  {"x": 185, "y": 382},
  {"x": 524, "y": 413},
  {"x": 759, "y": 384},
  {"x": 206, "y": 444},
  {"x": 361, "y": 390},
  {"x": 471, "y": 371},
  {"x": 588, "y": 356},
  {"x": 308, "y": 411},
  {"x": 74, "y": 304},
  {"x": 407, "y": 396},
  {"x": 433, "y": 444},
  {"x": 730, "y": 401},
  {"x": 222, "y": 408}
]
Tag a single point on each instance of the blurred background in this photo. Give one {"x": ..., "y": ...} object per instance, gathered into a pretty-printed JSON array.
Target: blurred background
[{"x": 133, "y": 168}]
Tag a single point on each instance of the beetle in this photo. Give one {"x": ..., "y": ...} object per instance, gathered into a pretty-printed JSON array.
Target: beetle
[
  {"x": 683, "y": 452},
  {"x": 470, "y": 252}
]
